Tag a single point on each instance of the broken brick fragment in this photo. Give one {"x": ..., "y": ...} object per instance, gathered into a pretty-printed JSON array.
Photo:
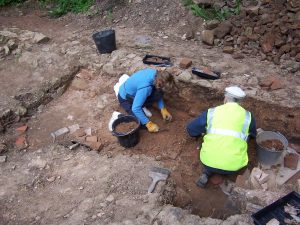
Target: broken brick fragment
[
  {"x": 291, "y": 161},
  {"x": 185, "y": 63},
  {"x": 97, "y": 146},
  {"x": 22, "y": 129},
  {"x": 79, "y": 133},
  {"x": 92, "y": 139},
  {"x": 272, "y": 82},
  {"x": 241, "y": 182},
  {"x": 21, "y": 143}
]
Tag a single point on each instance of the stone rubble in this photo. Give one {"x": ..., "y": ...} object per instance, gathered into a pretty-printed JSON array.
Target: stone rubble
[{"x": 269, "y": 30}]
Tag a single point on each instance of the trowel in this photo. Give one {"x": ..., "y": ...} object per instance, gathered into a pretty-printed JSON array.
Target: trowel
[{"x": 157, "y": 174}]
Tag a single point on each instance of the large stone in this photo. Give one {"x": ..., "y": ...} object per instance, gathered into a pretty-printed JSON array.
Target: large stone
[
  {"x": 266, "y": 18},
  {"x": 284, "y": 49},
  {"x": 185, "y": 76},
  {"x": 3, "y": 148},
  {"x": 223, "y": 29},
  {"x": 211, "y": 24},
  {"x": 297, "y": 16},
  {"x": 228, "y": 49},
  {"x": 207, "y": 37},
  {"x": 267, "y": 42},
  {"x": 40, "y": 38},
  {"x": 108, "y": 68},
  {"x": 294, "y": 3},
  {"x": 3, "y": 158},
  {"x": 297, "y": 57}
]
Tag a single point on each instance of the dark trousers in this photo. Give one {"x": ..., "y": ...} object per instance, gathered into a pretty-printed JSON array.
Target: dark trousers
[
  {"x": 210, "y": 170},
  {"x": 126, "y": 104}
]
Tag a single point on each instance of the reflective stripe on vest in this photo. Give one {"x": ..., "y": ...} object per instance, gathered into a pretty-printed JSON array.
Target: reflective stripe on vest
[{"x": 241, "y": 135}]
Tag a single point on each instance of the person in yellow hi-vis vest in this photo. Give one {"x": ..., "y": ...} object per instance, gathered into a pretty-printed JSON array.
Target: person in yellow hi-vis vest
[{"x": 227, "y": 129}]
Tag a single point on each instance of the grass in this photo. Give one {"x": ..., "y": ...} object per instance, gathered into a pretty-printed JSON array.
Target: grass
[
  {"x": 9, "y": 2},
  {"x": 61, "y": 7},
  {"x": 212, "y": 13}
]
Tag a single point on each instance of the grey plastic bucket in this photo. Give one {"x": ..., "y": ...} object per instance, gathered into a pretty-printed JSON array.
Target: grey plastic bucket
[{"x": 269, "y": 156}]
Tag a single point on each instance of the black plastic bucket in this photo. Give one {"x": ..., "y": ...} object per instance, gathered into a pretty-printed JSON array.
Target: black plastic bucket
[
  {"x": 130, "y": 139},
  {"x": 105, "y": 41}
]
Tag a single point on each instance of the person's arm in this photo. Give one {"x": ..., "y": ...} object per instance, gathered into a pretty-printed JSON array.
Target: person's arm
[
  {"x": 138, "y": 102},
  {"x": 197, "y": 127},
  {"x": 252, "y": 127}
]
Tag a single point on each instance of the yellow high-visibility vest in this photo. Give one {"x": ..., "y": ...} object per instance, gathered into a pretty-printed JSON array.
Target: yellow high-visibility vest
[{"x": 225, "y": 143}]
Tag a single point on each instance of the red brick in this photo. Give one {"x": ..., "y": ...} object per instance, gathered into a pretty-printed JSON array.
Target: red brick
[
  {"x": 266, "y": 47},
  {"x": 277, "y": 84},
  {"x": 97, "y": 146},
  {"x": 272, "y": 82},
  {"x": 216, "y": 179},
  {"x": 295, "y": 147},
  {"x": 267, "y": 82},
  {"x": 291, "y": 161},
  {"x": 92, "y": 139},
  {"x": 185, "y": 63},
  {"x": 21, "y": 142},
  {"x": 241, "y": 181},
  {"x": 79, "y": 133},
  {"x": 22, "y": 129}
]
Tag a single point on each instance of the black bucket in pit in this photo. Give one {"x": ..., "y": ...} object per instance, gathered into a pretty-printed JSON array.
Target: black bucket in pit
[
  {"x": 131, "y": 138},
  {"x": 105, "y": 41}
]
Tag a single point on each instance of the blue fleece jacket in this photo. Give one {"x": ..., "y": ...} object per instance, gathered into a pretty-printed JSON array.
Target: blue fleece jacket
[{"x": 138, "y": 87}]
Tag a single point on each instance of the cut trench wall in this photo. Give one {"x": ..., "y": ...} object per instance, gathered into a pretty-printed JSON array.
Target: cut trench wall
[
  {"x": 194, "y": 99},
  {"x": 30, "y": 101}
]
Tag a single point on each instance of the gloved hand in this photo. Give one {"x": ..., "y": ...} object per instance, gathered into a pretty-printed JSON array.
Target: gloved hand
[
  {"x": 165, "y": 114},
  {"x": 152, "y": 127}
]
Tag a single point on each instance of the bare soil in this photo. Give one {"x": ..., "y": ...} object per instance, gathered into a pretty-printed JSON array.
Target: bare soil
[
  {"x": 125, "y": 128},
  {"x": 82, "y": 179},
  {"x": 273, "y": 144}
]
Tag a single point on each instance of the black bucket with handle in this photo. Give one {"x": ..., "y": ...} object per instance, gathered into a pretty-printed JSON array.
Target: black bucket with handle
[
  {"x": 131, "y": 138},
  {"x": 105, "y": 41}
]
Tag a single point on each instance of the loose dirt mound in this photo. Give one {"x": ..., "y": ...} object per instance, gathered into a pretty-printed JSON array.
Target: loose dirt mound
[
  {"x": 125, "y": 128},
  {"x": 275, "y": 145}
]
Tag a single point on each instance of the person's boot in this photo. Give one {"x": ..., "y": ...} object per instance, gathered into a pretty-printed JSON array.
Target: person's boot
[{"x": 202, "y": 181}]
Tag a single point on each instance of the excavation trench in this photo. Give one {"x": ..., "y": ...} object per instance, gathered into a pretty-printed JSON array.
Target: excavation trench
[
  {"x": 180, "y": 153},
  {"x": 172, "y": 146}
]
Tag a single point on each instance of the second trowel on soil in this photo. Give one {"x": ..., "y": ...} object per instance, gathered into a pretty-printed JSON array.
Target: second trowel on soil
[{"x": 157, "y": 174}]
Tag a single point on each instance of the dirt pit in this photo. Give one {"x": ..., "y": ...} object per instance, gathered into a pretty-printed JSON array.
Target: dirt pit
[
  {"x": 171, "y": 147},
  {"x": 125, "y": 128},
  {"x": 273, "y": 144}
]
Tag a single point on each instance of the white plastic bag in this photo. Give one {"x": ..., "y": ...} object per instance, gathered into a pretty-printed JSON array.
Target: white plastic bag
[{"x": 122, "y": 79}]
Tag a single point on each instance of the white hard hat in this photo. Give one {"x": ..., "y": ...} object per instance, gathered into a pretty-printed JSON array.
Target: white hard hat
[{"x": 235, "y": 92}]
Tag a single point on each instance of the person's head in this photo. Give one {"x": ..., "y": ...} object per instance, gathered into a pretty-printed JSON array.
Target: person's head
[
  {"x": 162, "y": 78},
  {"x": 234, "y": 94}
]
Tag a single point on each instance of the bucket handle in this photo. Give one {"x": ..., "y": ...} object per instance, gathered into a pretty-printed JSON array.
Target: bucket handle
[{"x": 280, "y": 134}]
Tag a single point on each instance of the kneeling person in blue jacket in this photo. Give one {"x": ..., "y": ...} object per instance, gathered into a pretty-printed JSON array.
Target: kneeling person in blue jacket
[{"x": 142, "y": 89}]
